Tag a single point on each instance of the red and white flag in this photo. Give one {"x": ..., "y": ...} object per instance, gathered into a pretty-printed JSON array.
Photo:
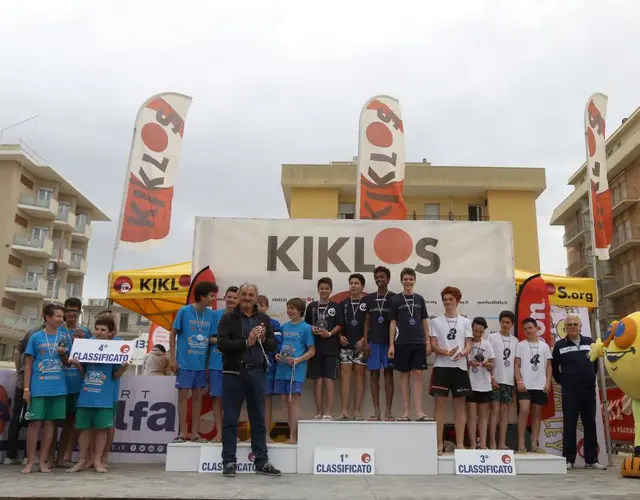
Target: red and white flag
[
  {"x": 145, "y": 217},
  {"x": 595, "y": 117},
  {"x": 381, "y": 161}
]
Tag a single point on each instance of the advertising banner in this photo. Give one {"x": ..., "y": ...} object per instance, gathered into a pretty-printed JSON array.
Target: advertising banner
[
  {"x": 112, "y": 352},
  {"x": 621, "y": 420}
]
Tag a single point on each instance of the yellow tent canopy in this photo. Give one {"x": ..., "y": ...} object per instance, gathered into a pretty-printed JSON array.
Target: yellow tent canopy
[{"x": 158, "y": 292}]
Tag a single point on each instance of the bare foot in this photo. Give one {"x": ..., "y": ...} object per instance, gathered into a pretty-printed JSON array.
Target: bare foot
[
  {"x": 89, "y": 464},
  {"x": 77, "y": 467},
  {"x": 27, "y": 469},
  {"x": 100, "y": 468},
  {"x": 45, "y": 468}
]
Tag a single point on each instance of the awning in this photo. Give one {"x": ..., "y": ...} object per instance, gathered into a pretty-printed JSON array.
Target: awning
[{"x": 567, "y": 291}]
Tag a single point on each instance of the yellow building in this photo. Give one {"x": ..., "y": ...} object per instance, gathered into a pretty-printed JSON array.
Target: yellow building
[{"x": 431, "y": 192}]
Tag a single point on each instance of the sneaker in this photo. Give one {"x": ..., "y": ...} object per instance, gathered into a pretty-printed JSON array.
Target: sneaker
[
  {"x": 596, "y": 466},
  {"x": 268, "y": 470},
  {"x": 570, "y": 466},
  {"x": 12, "y": 461},
  {"x": 229, "y": 470}
]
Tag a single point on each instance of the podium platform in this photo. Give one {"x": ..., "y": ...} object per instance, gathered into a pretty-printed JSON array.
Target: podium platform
[{"x": 525, "y": 464}]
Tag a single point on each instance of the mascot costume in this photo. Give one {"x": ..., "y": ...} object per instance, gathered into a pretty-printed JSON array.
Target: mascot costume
[{"x": 621, "y": 352}]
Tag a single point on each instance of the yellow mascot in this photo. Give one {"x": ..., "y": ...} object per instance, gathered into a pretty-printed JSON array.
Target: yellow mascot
[{"x": 621, "y": 352}]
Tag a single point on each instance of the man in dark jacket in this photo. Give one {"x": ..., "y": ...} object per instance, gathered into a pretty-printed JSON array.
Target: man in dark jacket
[
  {"x": 574, "y": 371},
  {"x": 245, "y": 336}
]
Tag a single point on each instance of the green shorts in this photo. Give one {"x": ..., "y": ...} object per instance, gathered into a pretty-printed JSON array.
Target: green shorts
[
  {"x": 94, "y": 418},
  {"x": 72, "y": 402},
  {"x": 47, "y": 408}
]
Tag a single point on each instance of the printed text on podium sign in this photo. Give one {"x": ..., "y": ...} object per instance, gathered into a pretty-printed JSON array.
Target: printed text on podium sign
[{"x": 344, "y": 461}]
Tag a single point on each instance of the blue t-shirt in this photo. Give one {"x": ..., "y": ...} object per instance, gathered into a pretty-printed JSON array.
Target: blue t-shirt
[
  {"x": 296, "y": 339},
  {"x": 47, "y": 374},
  {"x": 194, "y": 330},
  {"x": 97, "y": 386},
  {"x": 215, "y": 356},
  {"x": 72, "y": 374},
  {"x": 277, "y": 332}
]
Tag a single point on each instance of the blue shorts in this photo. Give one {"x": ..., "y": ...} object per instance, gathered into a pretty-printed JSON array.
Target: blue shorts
[
  {"x": 284, "y": 387},
  {"x": 191, "y": 379},
  {"x": 268, "y": 388},
  {"x": 215, "y": 383},
  {"x": 378, "y": 358}
]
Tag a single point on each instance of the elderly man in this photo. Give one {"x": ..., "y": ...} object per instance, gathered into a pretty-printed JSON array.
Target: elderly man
[
  {"x": 245, "y": 336},
  {"x": 573, "y": 370}
]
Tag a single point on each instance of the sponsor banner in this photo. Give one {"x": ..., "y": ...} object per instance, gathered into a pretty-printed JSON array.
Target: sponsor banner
[
  {"x": 132, "y": 286},
  {"x": 595, "y": 116},
  {"x": 621, "y": 420},
  {"x": 286, "y": 257},
  {"x": 552, "y": 427},
  {"x": 112, "y": 352},
  {"x": 485, "y": 462},
  {"x": 344, "y": 461},
  {"x": 158, "y": 335},
  {"x": 563, "y": 290},
  {"x": 381, "y": 161},
  {"x": 153, "y": 164}
]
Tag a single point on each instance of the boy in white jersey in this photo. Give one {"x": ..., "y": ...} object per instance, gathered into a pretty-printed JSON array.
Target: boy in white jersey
[
  {"x": 481, "y": 363},
  {"x": 533, "y": 381},
  {"x": 451, "y": 342},
  {"x": 504, "y": 346}
]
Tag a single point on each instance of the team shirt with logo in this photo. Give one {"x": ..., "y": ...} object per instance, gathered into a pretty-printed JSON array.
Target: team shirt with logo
[
  {"x": 72, "y": 374},
  {"x": 504, "y": 348},
  {"x": 47, "y": 374},
  {"x": 194, "y": 329},
  {"x": 328, "y": 316},
  {"x": 353, "y": 314},
  {"x": 377, "y": 308},
  {"x": 533, "y": 354},
  {"x": 404, "y": 309},
  {"x": 97, "y": 386},
  {"x": 451, "y": 332},
  {"x": 479, "y": 376},
  {"x": 297, "y": 338}
]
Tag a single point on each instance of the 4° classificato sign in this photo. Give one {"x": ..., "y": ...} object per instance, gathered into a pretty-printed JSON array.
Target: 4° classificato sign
[{"x": 110, "y": 352}]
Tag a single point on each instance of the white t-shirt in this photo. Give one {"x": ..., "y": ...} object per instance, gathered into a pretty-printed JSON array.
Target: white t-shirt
[
  {"x": 529, "y": 353},
  {"x": 505, "y": 351},
  {"x": 479, "y": 376},
  {"x": 451, "y": 332}
]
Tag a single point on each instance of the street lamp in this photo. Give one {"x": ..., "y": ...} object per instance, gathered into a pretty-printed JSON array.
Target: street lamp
[{"x": 16, "y": 124}]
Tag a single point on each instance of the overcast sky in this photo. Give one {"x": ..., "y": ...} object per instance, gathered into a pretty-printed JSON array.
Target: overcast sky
[{"x": 499, "y": 83}]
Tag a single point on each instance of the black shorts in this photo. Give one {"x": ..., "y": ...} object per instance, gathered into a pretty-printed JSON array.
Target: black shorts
[
  {"x": 323, "y": 366},
  {"x": 409, "y": 357},
  {"x": 480, "y": 397},
  {"x": 536, "y": 396},
  {"x": 445, "y": 379}
]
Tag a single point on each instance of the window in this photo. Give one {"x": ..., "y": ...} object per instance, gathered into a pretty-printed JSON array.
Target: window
[
  {"x": 142, "y": 321},
  {"x": 40, "y": 233},
  {"x": 64, "y": 209},
  {"x": 124, "y": 323},
  {"x": 81, "y": 221},
  {"x": 347, "y": 211},
  {"x": 476, "y": 212},
  {"x": 432, "y": 211}
]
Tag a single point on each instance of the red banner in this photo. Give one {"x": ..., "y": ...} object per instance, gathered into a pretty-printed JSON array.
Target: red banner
[
  {"x": 599, "y": 193},
  {"x": 621, "y": 422},
  {"x": 533, "y": 302},
  {"x": 381, "y": 161}
]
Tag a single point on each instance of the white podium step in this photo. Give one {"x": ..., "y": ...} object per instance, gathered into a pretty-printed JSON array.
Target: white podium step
[
  {"x": 526, "y": 463},
  {"x": 400, "y": 447},
  {"x": 185, "y": 457}
]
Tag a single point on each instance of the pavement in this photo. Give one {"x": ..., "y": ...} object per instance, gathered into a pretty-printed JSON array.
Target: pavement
[{"x": 152, "y": 482}]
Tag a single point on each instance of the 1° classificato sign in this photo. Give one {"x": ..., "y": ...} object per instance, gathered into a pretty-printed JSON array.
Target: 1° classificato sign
[
  {"x": 485, "y": 462},
  {"x": 344, "y": 461},
  {"x": 110, "y": 352}
]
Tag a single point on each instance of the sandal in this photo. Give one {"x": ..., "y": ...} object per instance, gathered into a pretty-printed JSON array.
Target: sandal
[
  {"x": 389, "y": 418},
  {"x": 327, "y": 417},
  {"x": 522, "y": 451},
  {"x": 358, "y": 418},
  {"x": 424, "y": 418},
  {"x": 343, "y": 418},
  {"x": 318, "y": 417},
  {"x": 403, "y": 419},
  {"x": 179, "y": 439},
  {"x": 199, "y": 440},
  {"x": 374, "y": 418}
]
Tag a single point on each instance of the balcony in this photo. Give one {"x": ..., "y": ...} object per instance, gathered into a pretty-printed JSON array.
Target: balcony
[
  {"x": 74, "y": 290},
  {"x": 38, "y": 207},
  {"x": 65, "y": 220},
  {"x": 451, "y": 217},
  {"x": 26, "y": 244},
  {"x": 56, "y": 291},
  {"x": 81, "y": 232},
  {"x": 26, "y": 286},
  {"x": 626, "y": 282},
  {"x": 78, "y": 265},
  {"x": 578, "y": 268},
  {"x": 61, "y": 256},
  {"x": 574, "y": 235},
  {"x": 623, "y": 198},
  {"x": 624, "y": 238},
  {"x": 14, "y": 326}
]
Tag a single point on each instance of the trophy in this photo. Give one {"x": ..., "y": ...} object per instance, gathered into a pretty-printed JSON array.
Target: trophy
[
  {"x": 478, "y": 358},
  {"x": 286, "y": 352}
]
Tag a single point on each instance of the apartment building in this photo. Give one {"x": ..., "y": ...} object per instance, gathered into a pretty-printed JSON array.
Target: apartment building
[
  {"x": 328, "y": 191},
  {"x": 618, "y": 278},
  {"x": 131, "y": 325},
  {"x": 45, "y": 226}
]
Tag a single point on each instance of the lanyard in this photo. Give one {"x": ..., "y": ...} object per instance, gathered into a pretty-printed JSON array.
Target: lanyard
[
  {"x": 199, "y": 322},
  {"x": 51, "y": 348},
  {"x": 381, "y": 301}
]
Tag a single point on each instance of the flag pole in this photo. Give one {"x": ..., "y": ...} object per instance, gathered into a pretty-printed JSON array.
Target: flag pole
[{"x": 594, "y": 265}]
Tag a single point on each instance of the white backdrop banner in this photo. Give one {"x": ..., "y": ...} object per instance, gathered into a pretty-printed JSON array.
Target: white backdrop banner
[{"x": 286, "y": 257}]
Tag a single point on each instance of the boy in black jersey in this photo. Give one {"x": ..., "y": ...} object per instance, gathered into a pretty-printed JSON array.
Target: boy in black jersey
[
  {"x": 352, "y": 346},
  {"x": 409, "y": 343},
  {"x": 376, "y": 342},
  {"x": 324, "y": 317}
]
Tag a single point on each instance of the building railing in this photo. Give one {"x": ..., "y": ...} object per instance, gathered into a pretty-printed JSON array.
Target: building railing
[
  {"x": 27, "y": 240},
  {"x": 34, "y": 201},
  {"x": 18, "y": 323},
  {"x": 576, "y": 266},
  {"x": 627, "y": 233},
  {"x": 450, "y": 217},
  {"x": 25, "y": 283},
  {"x": 76, "y": 260},
  {"x": 572, "y": 231},
  {"x": 74, "y": 290}
]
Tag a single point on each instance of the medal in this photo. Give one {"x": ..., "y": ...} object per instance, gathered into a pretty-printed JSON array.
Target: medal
[
  {"x": 507, "y": 363},
  {"x": 534, "y": 368},
  {"x": 322, "y": 324},
  {"x": 412, "y": 321},
  {"x": 474, "y": 369},
  {"x": 535, "y": 357},
  {"x": 354, "y": 322},
  {"x": 380, "y": 302},
  {"x": 380, "y": 319}
]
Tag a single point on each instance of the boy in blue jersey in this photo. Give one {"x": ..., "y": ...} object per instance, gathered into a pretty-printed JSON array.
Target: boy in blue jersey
[
  {"x": 297, "y": 347},
  {"x": 112, "y": 335},
  {"x": 263, "y": 307},
  {"x": 192, "y": 329},
  {"x": 72, "y": 330},
  {"x": 45, "y": 386},
  {"x": 94, "y": 415},
  {"x": 214, "y": 365}
]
